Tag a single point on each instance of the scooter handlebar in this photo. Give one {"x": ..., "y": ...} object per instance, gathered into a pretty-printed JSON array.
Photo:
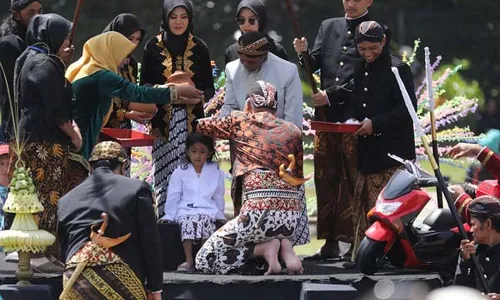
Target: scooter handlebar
[
  {"x": 424, "y": 179},
  {"x": 410, "y": 166}
]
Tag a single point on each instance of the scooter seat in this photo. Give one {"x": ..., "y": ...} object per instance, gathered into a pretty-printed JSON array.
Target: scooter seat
[{"x": 440, "y": 219}]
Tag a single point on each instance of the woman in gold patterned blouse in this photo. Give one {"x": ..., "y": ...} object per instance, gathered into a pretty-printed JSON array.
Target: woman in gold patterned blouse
[{"x": 174, "y": 49}]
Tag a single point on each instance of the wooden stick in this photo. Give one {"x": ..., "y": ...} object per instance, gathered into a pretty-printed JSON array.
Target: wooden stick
[
  {"x": 76, "y": 18},
  {"x": 430, "y": 95},
  {"x": 305, "y": 57},
  {"x": 78, "y": 271}
]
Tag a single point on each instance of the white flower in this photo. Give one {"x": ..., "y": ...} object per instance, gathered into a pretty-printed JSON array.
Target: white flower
[
  {"x": 57, "y": 173},
  {"x": 41, "y": 152}
]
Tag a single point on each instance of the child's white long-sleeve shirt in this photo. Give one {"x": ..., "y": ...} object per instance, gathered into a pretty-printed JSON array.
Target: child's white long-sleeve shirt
[{"x": 190, "y": 194}]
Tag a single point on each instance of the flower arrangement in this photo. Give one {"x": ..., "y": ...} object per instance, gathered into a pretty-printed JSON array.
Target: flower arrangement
[{"x": 449, "y": 111}]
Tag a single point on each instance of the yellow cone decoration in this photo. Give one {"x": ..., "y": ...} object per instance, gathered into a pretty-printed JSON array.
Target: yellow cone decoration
[{"x": 22, "y": 200}]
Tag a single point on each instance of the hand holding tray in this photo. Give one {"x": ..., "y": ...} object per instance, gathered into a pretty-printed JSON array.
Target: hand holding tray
[
  {"x": 334, "y": 127},
  {"x": 127, "y": 137}
]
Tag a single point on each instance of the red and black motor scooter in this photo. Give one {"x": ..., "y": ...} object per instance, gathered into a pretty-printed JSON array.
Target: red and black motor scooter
[{"x": 394, "y": 235}]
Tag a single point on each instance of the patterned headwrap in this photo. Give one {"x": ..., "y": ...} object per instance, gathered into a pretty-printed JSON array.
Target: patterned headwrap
[
  {"x": 263, "y": 95},
  {"x": 369, "y": 31},
  {"x": 253, "y": 43},
  {"x": 108, "y": 150},
  {"x": 485, "y": 207}
]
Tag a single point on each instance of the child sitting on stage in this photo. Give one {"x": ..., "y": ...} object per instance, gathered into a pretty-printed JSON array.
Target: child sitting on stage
[{"x": 195, "y": 198}]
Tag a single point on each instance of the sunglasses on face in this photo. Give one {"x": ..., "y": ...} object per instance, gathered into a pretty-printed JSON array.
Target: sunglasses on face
[{"x": 242, "y": 21}]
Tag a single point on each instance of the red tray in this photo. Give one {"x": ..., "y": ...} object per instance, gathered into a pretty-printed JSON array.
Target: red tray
[
  {"x": 334, "y": 127},
  {"x": 127, "y": 137}
]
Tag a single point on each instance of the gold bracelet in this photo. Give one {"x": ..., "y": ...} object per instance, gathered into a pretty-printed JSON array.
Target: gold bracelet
[
  {"x": 461, "y": 208},
  {"x": 174, "y": 97},
  {"x": 487, "y": 158},
  {"x": 120, "y": 114}
]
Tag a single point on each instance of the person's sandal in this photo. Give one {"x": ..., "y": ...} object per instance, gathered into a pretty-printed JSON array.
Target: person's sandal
[{"x": 184, "y": 268}]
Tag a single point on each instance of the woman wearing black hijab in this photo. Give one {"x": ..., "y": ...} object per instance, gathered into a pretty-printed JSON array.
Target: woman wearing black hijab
[
  {"x": 12, "y": 44},
  {"x": 251, "y": 15},
  {"x": 123, "y": 111},
  {"x": 175, "y": 49},
  {"x": 46, "y": 125}
]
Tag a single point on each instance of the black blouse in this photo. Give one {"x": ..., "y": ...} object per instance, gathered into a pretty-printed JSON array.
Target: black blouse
[
  {"x": 11, "y": 47},
  {"x": 158, "y": 65},
  {"x": 44, "y": 99}
]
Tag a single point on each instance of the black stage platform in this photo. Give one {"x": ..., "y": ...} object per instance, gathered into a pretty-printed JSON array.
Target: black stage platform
[{"x": 389, "y": 284}]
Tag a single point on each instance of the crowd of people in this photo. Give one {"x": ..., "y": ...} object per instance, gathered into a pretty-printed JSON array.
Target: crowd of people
[{"x": 62, "y": 106}]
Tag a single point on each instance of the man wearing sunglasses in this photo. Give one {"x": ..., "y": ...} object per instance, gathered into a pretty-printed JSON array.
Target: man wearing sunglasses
[{"x": 334, "y": 53}]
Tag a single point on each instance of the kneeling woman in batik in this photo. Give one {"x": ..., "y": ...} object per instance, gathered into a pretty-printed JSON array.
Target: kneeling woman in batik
[{"x": 271, "y": 199}]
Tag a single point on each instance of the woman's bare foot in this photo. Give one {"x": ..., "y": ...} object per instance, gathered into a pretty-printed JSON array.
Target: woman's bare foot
[
  {"x": 292, "y": 261},
  {"x": 269, "y": 250}
]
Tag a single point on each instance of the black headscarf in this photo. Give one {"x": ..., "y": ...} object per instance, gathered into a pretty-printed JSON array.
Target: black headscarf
[
  {"x": 18, "y": 5},
  {"x": 49, "y": 29},
  {"x": 258, "y": 8},
  {"x": 44, "y": 31},
  {"x": 126, "y": 24},
  {"x": 176, "y": 44}
]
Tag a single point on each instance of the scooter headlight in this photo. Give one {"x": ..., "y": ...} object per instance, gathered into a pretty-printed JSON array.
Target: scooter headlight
[{"x": 387, "y": 208}]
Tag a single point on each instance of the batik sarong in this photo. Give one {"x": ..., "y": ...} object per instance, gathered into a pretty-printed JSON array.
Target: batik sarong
[
  {"x": 335, "y": 172},
  {"x": 271, "y": 209},
  {"x": 106, "y": 276},
  {"x": 55, "y": 171},
  {"x": 196, "y": 227},
  {"x": 367, "y": 189}
]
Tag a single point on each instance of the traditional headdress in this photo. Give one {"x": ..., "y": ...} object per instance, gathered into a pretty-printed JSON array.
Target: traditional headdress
[
  {"x": 108, "y": 150},
  {"x": 485, "y": 207},
  {"x": 370, "y": 31},
  {"x": 263, "y": 95},
  {"x": 253, "y": 44}
]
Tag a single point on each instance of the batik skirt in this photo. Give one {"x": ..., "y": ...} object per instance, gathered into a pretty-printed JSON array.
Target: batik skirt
[
  {"x": 367, "y": 189},
  {"x": 271, "y": 209},
  {"x": 301, "y": 235},
  {"x": 196, "y": 227},
  {"x": 106, "y": 276},
  {"x": 335, "y": 174},
  {"x": 168, "y": 155},
  {"x": 55, "y": 170}
]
